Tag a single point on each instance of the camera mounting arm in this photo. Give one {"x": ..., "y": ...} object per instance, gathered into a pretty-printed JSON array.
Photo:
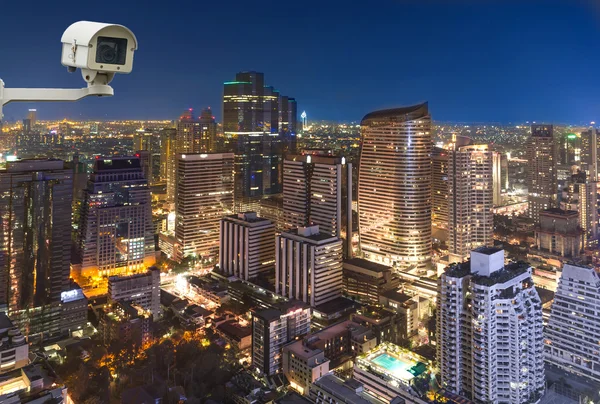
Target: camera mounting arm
[{"x": 8, "y": 95}]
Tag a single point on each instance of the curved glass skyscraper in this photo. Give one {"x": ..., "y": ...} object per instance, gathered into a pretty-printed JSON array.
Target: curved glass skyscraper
[{"x": 394, "y": 186}]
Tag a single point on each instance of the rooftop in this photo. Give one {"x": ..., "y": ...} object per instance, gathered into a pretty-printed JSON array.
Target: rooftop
[
  {"x": 308, "y": 235},
  {"x": 370, "y": 265},
  {"x": 487, "y": 250},
  {"x": 350, "y": 391},
  {"x": 559, "y": 212},
  {"x": 397, "y": 296},
  {"x": 503, "y": 275},
  {"x": 402, "y": 114}
]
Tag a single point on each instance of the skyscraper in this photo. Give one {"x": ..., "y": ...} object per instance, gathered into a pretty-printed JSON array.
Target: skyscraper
[
  {"x": 247, "y": 247},
  {"x": 317, "y": 190},
  {"x": 116, "y": 231},
  {"x": 196, "y": 135},
  {"x": 35, "y": 242},
  {"x": 541, "y": 180},
  {"x": 168, "y": 161},
  {"x": 497, "y": 178},
  {"x": 394, "y": 186},
  {"x": 572, "y": 334},
  {"x": 439, "y": 187},
  {"x": 470, "y": 200},
  {"x": 204, "y": 195},
  {"x": 308, "y": 265},
  {"x": 252, "y": 114},
  {"x": 489, "y": 332}
]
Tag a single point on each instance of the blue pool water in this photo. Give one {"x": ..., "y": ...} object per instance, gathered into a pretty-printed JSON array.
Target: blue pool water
[{"x": 396, "y": 366}]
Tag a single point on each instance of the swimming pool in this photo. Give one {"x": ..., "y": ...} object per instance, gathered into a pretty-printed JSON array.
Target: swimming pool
[{"x": 398, "y": 367}]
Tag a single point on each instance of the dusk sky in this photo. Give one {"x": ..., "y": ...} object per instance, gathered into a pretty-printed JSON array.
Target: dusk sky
[{"x": 474, "y": 61}]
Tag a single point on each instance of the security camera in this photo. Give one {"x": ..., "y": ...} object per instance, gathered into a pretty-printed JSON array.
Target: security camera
[{"x": 100, "y": 50}]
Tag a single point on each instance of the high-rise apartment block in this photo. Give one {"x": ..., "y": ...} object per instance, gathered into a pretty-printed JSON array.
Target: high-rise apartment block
[
  {"x": 272, "y": 329},
  {"x": 559, "y": 234},
  {"x": 317, "y": 190},
  {"x": 140, "y": 289},
  {"x": 116, "y": 230},
  {"x": 148, "y": 144},
  {"x": 470, "y": 200},
  {"x": 573, "y": 330},
  {"x": 35, "y": 242},
  {"x": 196, "y": 134},
  {"x": 490, "y": 343},
  {"x": 497, "y": 178},
  {"x": 439, "y": 187},
  {"x": 247, "y": 245},
  {"x": 394, "y": 187},
  {"x": 541, "y": 181},
  {"x": 308, "y": 265},
  {"x": 204, "y": 195},
  {"x": 259, "y": 127},
  {"x": 168, "y": 160}
]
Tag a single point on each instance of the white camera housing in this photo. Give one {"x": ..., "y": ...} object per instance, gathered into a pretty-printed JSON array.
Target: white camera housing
[{"x": 98, "y": 48}]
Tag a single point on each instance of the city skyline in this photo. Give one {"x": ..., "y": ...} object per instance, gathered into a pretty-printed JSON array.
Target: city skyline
[{"x": 493, "y": 63}]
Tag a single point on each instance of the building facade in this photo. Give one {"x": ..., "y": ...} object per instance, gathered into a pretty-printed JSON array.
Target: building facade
[
  {"x": 308, "y": 265},
  {"x": 140, "y": 289},
  {"x": 317, "y": 190},
  {"x": 573, "y": 330},
  {"x": 271, "y": 330},
  {"x": 259, "y": 127},
  {"x": 365, "y": 280},
  {"x": 489, "y": 331},
  {"x": 541, "y": 180},
  {"x": 247, "y": 245},
  {"x": 470, "y": 200},
  {"x": 204, "y": 195},
  {"x": 35, "y": 242},
  {"x": 394, "y": 187},
  {"x": 439, "y": 187},
  {"x": 559, "y": 233},
  {"x": 117, "y": 234}
]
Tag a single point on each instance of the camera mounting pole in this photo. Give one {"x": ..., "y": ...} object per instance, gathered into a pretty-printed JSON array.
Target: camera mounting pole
[{"x": 8, "y": 95}]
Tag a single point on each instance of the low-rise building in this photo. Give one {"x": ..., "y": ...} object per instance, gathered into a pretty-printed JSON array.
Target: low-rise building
[
  {"x": 386, "y": 324},
  {"x": 365, "y": 280},
  {"x": 208, "y": 288},
  {"x": 406, "y": 306},
  {"x": 302, "y": 365},
  {"x": 124, "y": 322},
  {"x": 140, "y": 289},
  {"x": 331, "y": 389},
  {"x": 238, "y": 337},
  {"x": 74, "y": 306},
  {"x": 390, "y": 371}
]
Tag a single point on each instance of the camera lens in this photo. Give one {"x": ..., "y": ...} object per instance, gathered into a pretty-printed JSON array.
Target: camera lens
[{"x": 112, "y": 51}]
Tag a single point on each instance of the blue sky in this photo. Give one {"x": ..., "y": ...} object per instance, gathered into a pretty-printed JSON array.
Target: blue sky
[{"x": 480, "y": 60}]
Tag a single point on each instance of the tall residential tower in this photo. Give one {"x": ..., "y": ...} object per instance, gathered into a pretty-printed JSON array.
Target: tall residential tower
[
  {"x": 542, "y": 183},
  {"x": 394, "y": 187}
]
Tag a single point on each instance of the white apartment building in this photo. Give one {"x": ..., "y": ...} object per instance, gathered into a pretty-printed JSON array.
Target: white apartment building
[
  {"x": 204, "y": 195},
  {"x": 308, "y": 265},
  {"x": 490, "y": 343},
  {"x": 140, "y": 289},
  {"x": 573, "y": 330},
  {"x": 247, "y": 247}
]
